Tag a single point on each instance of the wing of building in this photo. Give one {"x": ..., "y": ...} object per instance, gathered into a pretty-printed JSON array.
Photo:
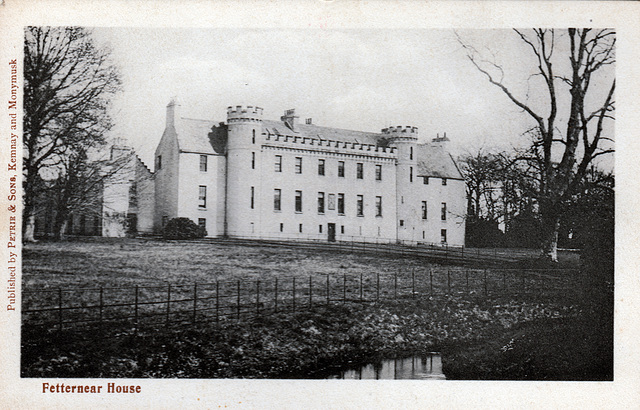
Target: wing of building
[{"x": 250, "y": 177}]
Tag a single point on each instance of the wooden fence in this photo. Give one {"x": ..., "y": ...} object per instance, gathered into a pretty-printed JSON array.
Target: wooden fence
[{"x": 168, "y": 304}]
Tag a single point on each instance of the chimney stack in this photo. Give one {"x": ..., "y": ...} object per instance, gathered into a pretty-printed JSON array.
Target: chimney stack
[
  {"x": 290, "y": 118},
  {"x": 173, "y": 112}
]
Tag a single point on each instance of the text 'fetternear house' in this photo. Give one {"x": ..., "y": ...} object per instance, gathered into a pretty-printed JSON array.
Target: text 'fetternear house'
[{"x": 256, "y": 178}]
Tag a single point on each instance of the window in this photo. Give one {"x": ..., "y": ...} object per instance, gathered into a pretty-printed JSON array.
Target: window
[
  {"x": 378, "y": 206},
  {"x": 253, "y": 160},
  {"x": 341, "y": 169},
  {"x": 278, "y": 163},
  {"x": 402, "y": 222},
  {"x": 425, "y": 180},
  {"x": 299, "y": 202},
  {"x": 320, "y": 167},
  {"x": 281, "y": 227},
  {"x": 360, "y": 206},
  {"x": 410, "y": 174},
  {"x": 341, "y": 204},
  {"x": 203, "y": 163},
  {"x": 320, "y": 202},
  {"x": 158, "y": 162},
  {"x": 276, "y": 199},
  {"x": 252, "y": 197},
  {"x": 300, "y": 228},
  {"x": 378, "y": 172},
  {"x": 444, "y": 181},
  {"x": 320, "y": 228},
  {"x": 342, "y": 229},
  {"x": 424, "y": 209},
  {"x": 359, "y": 170},
  {"x": 202, "y": 222},
  {"x": 202, "y": 196},
  {"x": 133, "y": 194},
  {"x": 410, "y": 152},
  {"x": 298, "y": 165},
  {"x": 253, "y": 137},
  {"x": 443, "y": 235},
  {"x": 443, "y": 212}
]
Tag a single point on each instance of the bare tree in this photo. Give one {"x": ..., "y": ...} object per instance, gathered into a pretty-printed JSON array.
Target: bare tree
[
  {"x": 68, "y": 84},
  {"x": 562, "y": 157}
]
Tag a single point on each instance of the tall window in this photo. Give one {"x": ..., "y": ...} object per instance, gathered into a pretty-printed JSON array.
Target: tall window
[
  {"x": 300, "y": 228},
  {"x": 360, "y": 206},
  {"x": 359, "y": 171},
  {"x": 378, "y": 172},
  {"x": 298, "y": 165},
  {"x": 299, "y": 201},
  {"x": 253, "y": 137},
  {"x": 203, "y": 163},
  {"x": 278, "y": 163},
  {"x": 202, "y": 196},
  {"x": 410, "y": 152},
  {"x": 253, "y": 160},
  {"x": 410, "y": 174},
  {"x": 320, "y": 202},
  {"x": 425, "y": 180},
  {"x": 424, "y": 209},
  {"x": 341, "y": 169},
  {"x": 444, "y": 181},
  {"x": 320, "y": 167},
  {"x": 341, "y": 204},
  {"x": 253, "y": 191},
  {"x": 443, "y": 235},
  {"x": 158, "y": 162},
  {"x": 277, "y": 193},
  {"x": 378, "y": 206},
  {"x": 443, "y": 211},
  {"x": 133, "y": 194}
]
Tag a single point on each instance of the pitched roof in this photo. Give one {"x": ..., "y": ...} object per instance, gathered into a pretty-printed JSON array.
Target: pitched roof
[
  {"x": 325, "y": 133},
  {"x": 193, "y": 135},
  {"x": 435, "y": 161}
]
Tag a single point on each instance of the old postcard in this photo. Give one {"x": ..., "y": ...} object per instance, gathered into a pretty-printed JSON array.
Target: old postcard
[{"x": 318, "y": 204}]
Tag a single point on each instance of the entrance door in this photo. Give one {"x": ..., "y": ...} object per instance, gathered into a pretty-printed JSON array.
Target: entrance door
[{"x": 332, "y": 232}]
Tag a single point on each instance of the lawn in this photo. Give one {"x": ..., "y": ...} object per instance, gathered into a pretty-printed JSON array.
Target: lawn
[{"x": 301, "y": 343}]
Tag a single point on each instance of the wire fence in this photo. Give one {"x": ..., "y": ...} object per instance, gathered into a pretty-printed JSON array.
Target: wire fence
[{"x": 169, "y": 304}]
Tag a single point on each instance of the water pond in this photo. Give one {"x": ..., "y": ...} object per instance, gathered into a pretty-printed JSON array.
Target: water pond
[{"x": 423, "y": 367}]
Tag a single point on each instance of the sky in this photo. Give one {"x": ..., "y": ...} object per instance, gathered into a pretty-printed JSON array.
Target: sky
[{"x": 361, "y": 79}]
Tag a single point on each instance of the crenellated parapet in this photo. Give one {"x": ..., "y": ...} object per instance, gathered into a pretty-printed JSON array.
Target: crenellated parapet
[
  {"x": 401, "y": 133},
  {"x": 301, "y": 142},
  {"x": 244, "y": 113}
]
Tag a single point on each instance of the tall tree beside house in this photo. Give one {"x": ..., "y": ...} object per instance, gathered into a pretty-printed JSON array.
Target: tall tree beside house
[
  {"x": 571, "y": 68},
  {"x": 68, "y": 83}
]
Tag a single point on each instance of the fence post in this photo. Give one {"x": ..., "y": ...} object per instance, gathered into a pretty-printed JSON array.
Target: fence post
[
  {"x": 168, "y": 303},
  {"x": 258, "y": 297},
  {"x": 195, "y": 301},
  {"x": 294, "y": 294},
  {"x": 486, "y": 290},
  {"x": 101, "y": 305},
  {"x": 431, "y": 280},
  {"x": 135, "y": 329},
  {"x": 59, "y": 309},
  {"x": 310, "y": 290},
  {"x": 238, "y": 301},
  {"x": 327, "y": 289},
  {"x": 275, "y": 298},
  {"x": 344, "y": 288},
  {"x": 217, "y": 302},
  {"x": 448, "y": 281},
  {"x": 413, "y": 282},
  {"x": 361, "y": 290}
]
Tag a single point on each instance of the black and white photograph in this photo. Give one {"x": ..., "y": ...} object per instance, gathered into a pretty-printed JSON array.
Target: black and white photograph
[{"x": 335, "y": 204}]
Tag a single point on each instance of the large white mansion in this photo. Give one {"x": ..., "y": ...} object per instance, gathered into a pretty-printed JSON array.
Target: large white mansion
[{"x": 256, "y": 178}]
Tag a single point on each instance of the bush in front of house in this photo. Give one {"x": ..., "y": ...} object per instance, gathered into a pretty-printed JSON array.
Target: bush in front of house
[{"x": 183, "y": 228}]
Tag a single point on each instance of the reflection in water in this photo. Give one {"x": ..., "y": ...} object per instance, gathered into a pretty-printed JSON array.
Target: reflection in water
[{"x": 428, "y": 367}]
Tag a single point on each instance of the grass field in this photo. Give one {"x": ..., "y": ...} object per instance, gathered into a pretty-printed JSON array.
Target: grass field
[{"x": 287, "y": 344}]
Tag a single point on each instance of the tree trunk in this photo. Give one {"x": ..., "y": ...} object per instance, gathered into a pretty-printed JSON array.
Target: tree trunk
[
  {"x": 29, "y": 229},
  {"x": 62, "y": 230},
  {"x": 550, "y": 228}
]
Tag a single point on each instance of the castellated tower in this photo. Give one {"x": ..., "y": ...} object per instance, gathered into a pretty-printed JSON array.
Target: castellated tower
[
  {"x": 244, "y": 131},
  {"x": 405, "y": 140}
]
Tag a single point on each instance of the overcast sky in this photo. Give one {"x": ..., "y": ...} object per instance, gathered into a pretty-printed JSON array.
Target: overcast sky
[{"x": 356, "y": 79}]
